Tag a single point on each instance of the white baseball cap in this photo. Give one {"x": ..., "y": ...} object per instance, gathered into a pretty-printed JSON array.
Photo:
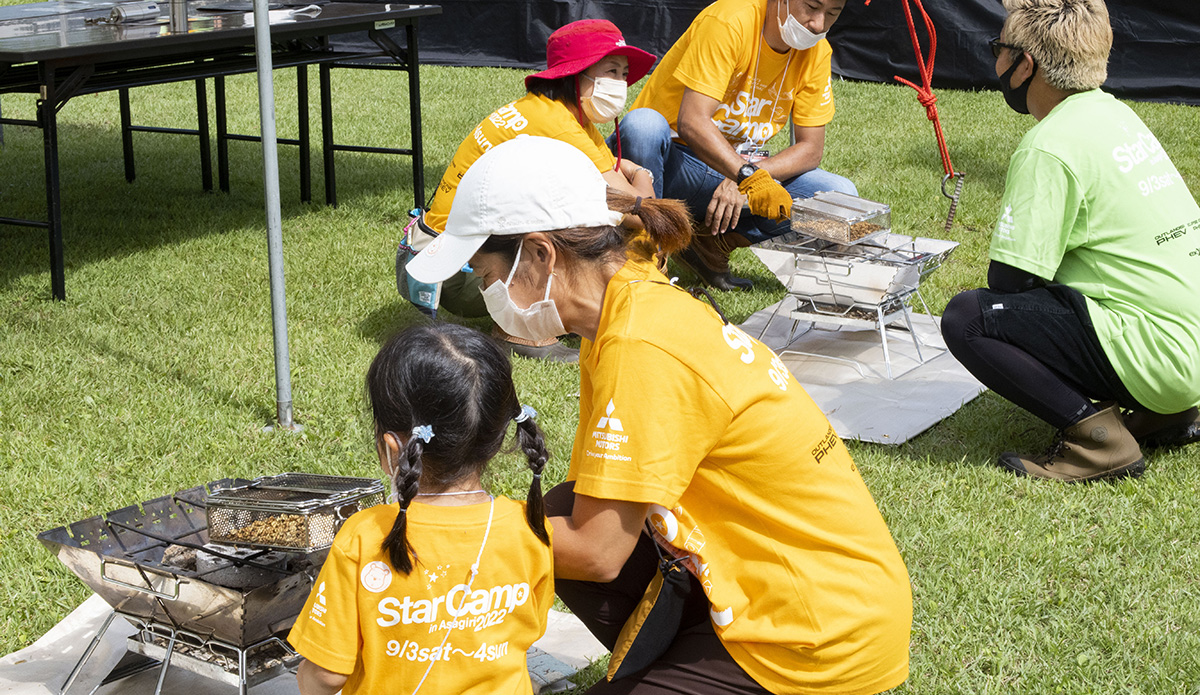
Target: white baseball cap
[{"x": 527, "y": 184}]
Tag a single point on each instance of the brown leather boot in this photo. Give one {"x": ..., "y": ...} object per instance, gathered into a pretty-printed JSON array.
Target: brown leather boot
[
  {"x": 1096, "y": 447},
  {"x": 708, "y": 257},
  {"x": 1154, "y": 430}
]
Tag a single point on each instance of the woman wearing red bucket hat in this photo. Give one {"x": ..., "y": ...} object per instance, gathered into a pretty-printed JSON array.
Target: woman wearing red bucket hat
[{"x": 589, "y": 67}]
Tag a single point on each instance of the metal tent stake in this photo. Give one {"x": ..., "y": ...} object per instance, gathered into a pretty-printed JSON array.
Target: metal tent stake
[{"x": 266, "y": 106}]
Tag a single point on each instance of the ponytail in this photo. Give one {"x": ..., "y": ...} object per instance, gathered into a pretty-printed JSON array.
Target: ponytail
[
  {"x": 533, "y": 443},
  {"x": 667, "y": 221},
  {"x": 404, "y": 484}
]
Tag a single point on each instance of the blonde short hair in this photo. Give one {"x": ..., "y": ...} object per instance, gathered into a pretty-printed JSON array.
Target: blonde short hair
[{"x": 1069, "y": 39}]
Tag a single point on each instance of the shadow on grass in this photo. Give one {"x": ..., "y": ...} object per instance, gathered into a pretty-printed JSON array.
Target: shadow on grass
[
  {"x": 255, "y": 410},
  {"x": 106, "y": 217},
  {"x": 390, "y": 319},
  {"x": 975, "y": 435}
]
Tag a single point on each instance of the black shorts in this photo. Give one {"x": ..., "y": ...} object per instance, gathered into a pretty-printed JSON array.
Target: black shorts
[{"x": 1052, "y": 325}]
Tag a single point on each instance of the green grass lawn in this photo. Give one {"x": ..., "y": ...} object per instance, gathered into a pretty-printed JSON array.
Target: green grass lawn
[{"x": 157, "y": 372}]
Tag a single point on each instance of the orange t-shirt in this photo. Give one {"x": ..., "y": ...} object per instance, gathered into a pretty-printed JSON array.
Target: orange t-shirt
[
  {"x": 747, "y": 477},
  {"x": 723, "y": 55},
  {"x": 384, "y": 628},
  {"x": 532, "y": 114}
]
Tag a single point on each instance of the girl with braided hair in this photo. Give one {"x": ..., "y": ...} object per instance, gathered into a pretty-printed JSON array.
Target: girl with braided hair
[{"x": 446, "y": 587}]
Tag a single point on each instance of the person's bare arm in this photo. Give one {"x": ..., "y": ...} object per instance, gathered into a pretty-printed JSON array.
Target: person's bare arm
[
  {"x": 697, "y": 129},
  {"x": 314, "y": 680},
  {"x": 595, "y": 541},
  {"x": 802, "y": 157},
  {"x": 766, "y": 196},
  {"x": 638, "y": 177},
  {"x": 636, "y": 182}
]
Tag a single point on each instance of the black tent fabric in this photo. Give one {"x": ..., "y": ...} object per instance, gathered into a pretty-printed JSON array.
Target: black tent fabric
[
  {"x": 1155, "y": 56},
  {"x": 1156, "y": 43}
]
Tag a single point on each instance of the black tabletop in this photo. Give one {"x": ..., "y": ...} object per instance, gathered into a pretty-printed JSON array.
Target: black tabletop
[{"x": 75, "y": 29}]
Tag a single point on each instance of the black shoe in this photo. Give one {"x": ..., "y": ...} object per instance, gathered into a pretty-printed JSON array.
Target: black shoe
[
  {"x": 555, "y": 352},
  {"x": 1156, "y": 431},
  {"x": 722, "y": 281}
]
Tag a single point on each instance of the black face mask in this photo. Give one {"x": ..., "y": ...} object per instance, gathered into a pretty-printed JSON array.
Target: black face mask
[{"x": 1016, "y": 97}]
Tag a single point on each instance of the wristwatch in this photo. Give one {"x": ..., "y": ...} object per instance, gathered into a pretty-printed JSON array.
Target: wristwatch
[{"x": 745, "y": 172}]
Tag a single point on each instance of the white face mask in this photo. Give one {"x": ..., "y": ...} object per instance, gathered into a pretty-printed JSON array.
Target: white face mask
[
  {"x": 796, "y": 35},
  {"x": 539, "y": 322},
  {"x": 607, "y": 99}
]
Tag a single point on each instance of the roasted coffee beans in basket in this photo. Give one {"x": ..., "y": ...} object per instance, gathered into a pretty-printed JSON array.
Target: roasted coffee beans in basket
[
  {"x": 840, "y": 218},
  {"x": 292, "y": 511}
]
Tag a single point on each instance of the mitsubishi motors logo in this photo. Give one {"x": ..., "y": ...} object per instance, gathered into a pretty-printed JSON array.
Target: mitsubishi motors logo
[
  {"x": 319, "y": 607},
  {"x": 608, "y": 421},
  {"x": 1007, "y": 224}
]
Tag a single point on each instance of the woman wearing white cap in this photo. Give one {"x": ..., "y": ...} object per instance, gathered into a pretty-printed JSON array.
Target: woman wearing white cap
[
  {"x": 685, "y": 421},
  {"x": 589, "y": 67}
]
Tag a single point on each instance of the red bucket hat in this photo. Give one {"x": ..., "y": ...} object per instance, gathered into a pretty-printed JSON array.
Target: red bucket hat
[{"x": 580, "y": 45}]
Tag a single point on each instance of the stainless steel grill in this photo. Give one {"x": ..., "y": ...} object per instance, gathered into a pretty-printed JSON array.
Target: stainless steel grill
[
  {"x": 209, "y": 606},
  {"x": 869, "y": 285}
]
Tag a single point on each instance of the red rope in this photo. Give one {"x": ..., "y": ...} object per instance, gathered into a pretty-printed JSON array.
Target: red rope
[{"x": 925, "y": 67}]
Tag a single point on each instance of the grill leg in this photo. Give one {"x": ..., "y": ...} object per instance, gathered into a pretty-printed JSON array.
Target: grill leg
[
  {"x": 87, "y": 653},
  {"x": 913, "y": 333},
  {"x": 162, "y": 672},
  {"x": 241, "y": 672},
  {"x": 887, "y": 357}
]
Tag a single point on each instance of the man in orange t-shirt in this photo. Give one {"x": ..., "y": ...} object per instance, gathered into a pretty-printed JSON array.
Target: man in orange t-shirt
[{"x": 702, "y": 122}]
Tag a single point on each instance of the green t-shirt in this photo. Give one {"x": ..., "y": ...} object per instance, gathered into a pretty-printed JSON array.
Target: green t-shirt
[{"x": 1093, "y": 202}]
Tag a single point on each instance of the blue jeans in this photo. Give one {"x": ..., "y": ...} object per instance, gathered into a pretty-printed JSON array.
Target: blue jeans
[{"x": 678, "y": 173}]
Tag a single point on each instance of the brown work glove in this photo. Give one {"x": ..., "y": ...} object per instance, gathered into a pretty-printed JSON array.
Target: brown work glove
[{"x": 768, "y": 197}]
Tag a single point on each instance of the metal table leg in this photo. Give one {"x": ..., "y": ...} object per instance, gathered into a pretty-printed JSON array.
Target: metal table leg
[
  {"x": 414, "y": 111},
  {"x": 305, "y": 136},
  {"x": 327, "y": 135},
  {"x": 126, "y": 134},
  {"x": 47, "y": 109},
  {"x": 222, "y": 134},
  {"x": 206, "y": 177}
]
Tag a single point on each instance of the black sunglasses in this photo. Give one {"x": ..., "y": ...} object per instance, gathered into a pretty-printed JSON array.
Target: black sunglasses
[{"x": 997, "y": 45}]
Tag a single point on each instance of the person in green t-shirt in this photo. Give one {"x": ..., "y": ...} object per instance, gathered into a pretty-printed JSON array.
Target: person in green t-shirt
[{"x": 1093, "y": 298}]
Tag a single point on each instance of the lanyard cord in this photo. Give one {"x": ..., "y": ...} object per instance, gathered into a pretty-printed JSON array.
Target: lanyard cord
[
  {"x": 762, "y": 38},
  {"x": 470, "y": 581}
]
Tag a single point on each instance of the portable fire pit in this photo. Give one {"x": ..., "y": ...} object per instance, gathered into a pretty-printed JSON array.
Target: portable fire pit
[
  {"x": 868, "y": 285},
  {"x": 212, "y": 608}
]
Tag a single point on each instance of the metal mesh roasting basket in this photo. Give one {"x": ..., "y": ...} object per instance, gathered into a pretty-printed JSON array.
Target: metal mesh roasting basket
[{"x": 292, "y": 511}]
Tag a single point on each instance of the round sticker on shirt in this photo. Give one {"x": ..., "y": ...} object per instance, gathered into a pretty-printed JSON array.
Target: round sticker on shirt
[
  {"x": 663, "y": 521},
  {"x": 376, "y": 577}
]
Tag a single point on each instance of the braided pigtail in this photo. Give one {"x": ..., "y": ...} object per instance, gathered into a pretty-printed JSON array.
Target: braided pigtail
[
  {"x": 405, "y": 477},
  {"x": 533, "y": 443}
]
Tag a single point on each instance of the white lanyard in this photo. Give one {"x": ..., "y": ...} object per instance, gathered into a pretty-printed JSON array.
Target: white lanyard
[
  {"x": 470, "y": 581},
  {"x": 754, "y": 87}
]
